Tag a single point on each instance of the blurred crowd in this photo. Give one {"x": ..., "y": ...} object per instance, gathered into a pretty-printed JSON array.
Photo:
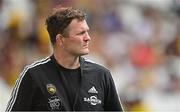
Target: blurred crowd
[{"x": 138, "y": 41}]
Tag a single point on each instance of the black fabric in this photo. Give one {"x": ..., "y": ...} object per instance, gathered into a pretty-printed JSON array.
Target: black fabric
[
  {"x": 73, "y": 77},
  {"x": 44, "y": 86}
]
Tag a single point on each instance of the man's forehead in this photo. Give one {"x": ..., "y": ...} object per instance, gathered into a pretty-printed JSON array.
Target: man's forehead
[{"x": 79, "y": 24}]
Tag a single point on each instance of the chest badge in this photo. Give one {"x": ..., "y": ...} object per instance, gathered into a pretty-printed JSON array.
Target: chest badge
[{"x": 51, "y": 88}]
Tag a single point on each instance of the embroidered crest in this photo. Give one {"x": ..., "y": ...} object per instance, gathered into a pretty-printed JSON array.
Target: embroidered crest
[{"x": 51, "y": 88}]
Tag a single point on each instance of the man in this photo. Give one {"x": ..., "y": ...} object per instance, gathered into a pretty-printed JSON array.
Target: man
[{"x": 65, "y": 80}]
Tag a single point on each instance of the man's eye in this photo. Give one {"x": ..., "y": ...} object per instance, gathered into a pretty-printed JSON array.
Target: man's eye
[{"x": 81, "y": 33}]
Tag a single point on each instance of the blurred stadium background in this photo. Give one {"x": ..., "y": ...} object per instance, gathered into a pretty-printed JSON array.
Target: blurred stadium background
[{"x": 139, "y": 40}]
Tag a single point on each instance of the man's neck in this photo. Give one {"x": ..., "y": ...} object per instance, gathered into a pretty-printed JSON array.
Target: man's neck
[{"x": 67, "y": 61}]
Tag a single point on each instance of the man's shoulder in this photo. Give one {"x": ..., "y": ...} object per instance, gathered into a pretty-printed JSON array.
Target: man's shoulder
[
  {"x": 38, "y": 63},
  {"x": 95, "y": 65}
]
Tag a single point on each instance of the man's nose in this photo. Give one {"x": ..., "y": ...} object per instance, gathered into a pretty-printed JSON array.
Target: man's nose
[{"x": 87, "y": 37}]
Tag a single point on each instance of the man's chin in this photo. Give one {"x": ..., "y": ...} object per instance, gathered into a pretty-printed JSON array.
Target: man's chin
[{"x": 85, "y": 53}]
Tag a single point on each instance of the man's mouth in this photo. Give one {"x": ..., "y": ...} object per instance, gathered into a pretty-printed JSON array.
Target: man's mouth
[{"x": 86, "y": 45}]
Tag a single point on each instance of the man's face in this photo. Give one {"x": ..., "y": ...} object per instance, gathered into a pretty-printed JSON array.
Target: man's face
[{"x": 77, "y": 41}]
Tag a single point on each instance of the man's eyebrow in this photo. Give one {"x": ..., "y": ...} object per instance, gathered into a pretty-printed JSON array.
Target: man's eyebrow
[{"x": 83, "y": 31}]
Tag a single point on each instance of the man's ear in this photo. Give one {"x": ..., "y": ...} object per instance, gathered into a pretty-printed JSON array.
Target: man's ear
[{"x": 59, "y": 39}]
